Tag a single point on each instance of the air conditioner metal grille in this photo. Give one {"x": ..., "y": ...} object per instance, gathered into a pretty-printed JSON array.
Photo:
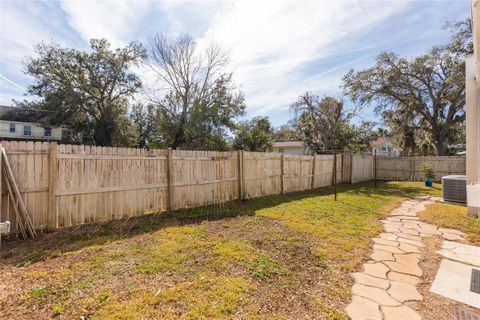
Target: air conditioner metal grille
[{"x": 454, "y": 188}]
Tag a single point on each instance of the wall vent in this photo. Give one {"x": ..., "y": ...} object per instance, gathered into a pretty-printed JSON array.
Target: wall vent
[{"x": 454, "y": 188}]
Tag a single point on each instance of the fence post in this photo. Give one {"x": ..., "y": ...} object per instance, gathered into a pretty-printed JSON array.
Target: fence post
[
  {"x": 375, "y": 167},
  {"x": 52, "y": 187},
  {"x": 169, "y": 179},
  {"x": 241, "y": 185},
  {"x": 351, "y": 168},
  {"x": 314, "y": 162},
  {"x": 282, "y": 174},
  {"x": 413, "y": 168},
  {"x": 335, "y": 173},
  {"x": 343, "y": 169}
]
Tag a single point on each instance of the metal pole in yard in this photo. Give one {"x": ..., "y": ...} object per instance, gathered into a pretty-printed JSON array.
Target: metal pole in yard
[
  {"x": 335, "y": 172},
  {"x": 375, "y": 168}
]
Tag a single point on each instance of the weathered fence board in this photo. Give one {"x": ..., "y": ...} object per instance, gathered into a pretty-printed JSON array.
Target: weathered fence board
[
  {"x": 363, "y": 168},
  {"x": 68, "y": 185},
  {"x": 410, "y": 168}
]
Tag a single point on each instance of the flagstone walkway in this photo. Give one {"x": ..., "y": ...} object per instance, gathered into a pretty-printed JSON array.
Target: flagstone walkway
[{"x": 386, "y": 289}]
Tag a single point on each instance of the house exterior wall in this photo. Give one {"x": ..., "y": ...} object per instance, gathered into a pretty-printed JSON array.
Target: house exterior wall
[
  {"x": 386, "y": 149},
  {"x": 290, "y": 150},
  {"x": 472, "y": 94},
  {"x": 37, "y": 131}
]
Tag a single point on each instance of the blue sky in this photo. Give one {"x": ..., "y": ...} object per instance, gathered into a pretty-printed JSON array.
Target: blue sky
[{"x": 277, "y": 49}]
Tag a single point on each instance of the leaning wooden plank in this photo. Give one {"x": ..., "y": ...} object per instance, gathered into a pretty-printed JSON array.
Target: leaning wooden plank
[
  {"x": 19, "y": 218},
  {"x": 22, "y": 207}
]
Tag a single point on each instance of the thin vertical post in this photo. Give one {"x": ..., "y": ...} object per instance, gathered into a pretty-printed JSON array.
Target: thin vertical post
[
  {"x": 413, "y": 168},
  {"x": 52, "y": 186},
  {"x": 375, "y": 167},
  {"x": 343, "y": 167},
  {"x": 314, "y": 161},
  {"x": 282, "y": 174},
  {"x": 351, "y": 167},
  {"x": 335, "y": 173},
  {"x": 240, "y": 175},
  {"x": 169, "y": 179}
]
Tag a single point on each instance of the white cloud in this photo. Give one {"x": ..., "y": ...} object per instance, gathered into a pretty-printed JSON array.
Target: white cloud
[
  {"x": 271, "y": 42},
  {"x": 115, "y": 20}
]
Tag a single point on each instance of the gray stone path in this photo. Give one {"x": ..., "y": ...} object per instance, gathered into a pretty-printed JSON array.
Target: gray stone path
[{"x": 387, "y": 285}]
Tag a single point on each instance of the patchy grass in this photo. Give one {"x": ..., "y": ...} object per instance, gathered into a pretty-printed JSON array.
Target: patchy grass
[
  {"x": 448, "y": 215},
  {"x": 277, "y": 257}
]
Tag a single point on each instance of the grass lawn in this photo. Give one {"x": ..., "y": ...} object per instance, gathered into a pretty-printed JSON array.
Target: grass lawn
[
  {"x": 277, "y": 257},
  {"x": 450, "y": 215}
]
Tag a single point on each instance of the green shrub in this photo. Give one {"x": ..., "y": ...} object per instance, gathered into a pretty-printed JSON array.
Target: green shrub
[{"x": 428, "y": 172}]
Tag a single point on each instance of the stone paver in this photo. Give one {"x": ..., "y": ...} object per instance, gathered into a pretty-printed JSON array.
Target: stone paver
[
  {"x": 399, "y": 313},
  {"x": 363, "y": 309},
  {"x": 386, "y": 287},
  {"x": 403, "y": 292}
]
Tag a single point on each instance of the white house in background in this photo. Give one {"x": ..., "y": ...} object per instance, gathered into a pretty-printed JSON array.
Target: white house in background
[
  {"x": 290, "y": 147},
  {"x": 384, "y": 147},
  {"x": 26, "y": 124}
]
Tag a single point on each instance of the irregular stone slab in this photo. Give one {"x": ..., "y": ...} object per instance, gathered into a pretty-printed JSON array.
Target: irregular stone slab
[
  {"x": 363, "y": 309},
  {"x": 460, "y": 252},
  {"x": 411, "y": 225},
  {"x": 403, "y": 292},
  {"x": 408, "y": 248},
  {"x": 391, "y": 229},
  {"x": 453, "y": 281},
  {"x": 386, "y": 242},
  {"x": 409, "y": 231},
  {"x": 379, "y": 255},
  {"x": 410, "y": 259},
  {"x": 368, "y": 280},
  {"x": 402, "y": 268},
  {"x": 405, "y": 278},
  {"x": 428, "y": 230},
  {"x": 452, "y": 236},
  {"x": 409, "y": 236},
  {"x": 391, "y": 223},
  {"x": 377, "y": 269},
  {"x": 412, "y": 242},
  {"x": 452, "y": 231},
  {"x": 388, "y": 236},
  {"x": 387, "y": 248},
  {"x": 378, "y": 295},
  {"x": 400, "y": 313}
]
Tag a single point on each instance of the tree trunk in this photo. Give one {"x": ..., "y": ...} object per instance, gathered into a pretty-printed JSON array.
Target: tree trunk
[{"x": 440, "y": 147}]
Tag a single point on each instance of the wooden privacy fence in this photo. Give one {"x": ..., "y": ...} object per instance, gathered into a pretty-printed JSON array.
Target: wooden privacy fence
[
  {"x": 410, "y": 168},
  {"x": 67, "y": 185}
]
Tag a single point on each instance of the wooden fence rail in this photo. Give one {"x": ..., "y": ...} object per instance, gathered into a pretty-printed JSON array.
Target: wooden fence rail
[{"x": 67, "y": 185}]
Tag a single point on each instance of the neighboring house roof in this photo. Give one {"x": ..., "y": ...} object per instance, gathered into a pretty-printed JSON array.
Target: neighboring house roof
[
  {"x": 23, "y": 114},
  {"x": 381, "y": 141},
  {"x": 286, "y": 144}
]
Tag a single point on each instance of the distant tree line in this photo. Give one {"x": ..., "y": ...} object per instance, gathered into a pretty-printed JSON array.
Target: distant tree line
[{"x": 195, "y": 104}]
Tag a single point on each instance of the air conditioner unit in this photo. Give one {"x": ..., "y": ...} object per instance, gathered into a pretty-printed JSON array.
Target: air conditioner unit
[{"x": 454, "y": 188}]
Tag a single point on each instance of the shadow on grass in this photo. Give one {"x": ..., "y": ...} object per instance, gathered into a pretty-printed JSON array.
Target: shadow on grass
[{"x": 20, "y": 252}]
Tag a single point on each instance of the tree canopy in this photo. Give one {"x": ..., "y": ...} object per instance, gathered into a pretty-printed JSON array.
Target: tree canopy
[
  {"x": 320, "y": 122},
  {"x": 195, "y": 103},
  {"x": 90, "y": 91},
  {"x": 424, "y": 94},
  {"x": 253, "y": 135}
]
